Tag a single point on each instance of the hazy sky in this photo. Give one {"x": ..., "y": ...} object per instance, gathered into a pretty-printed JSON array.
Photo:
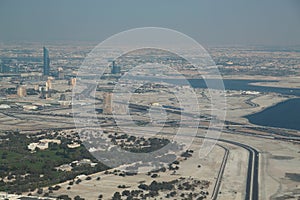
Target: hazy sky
[{"x": 210, "y": 22}]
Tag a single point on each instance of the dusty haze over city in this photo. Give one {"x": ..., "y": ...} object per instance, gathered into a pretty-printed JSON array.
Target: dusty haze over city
[{"x": 149, "y": 99}]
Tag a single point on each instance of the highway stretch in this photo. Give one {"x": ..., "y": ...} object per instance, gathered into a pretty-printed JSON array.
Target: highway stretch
[
  {"x": 252, "y": 174},
  {"x": 220, "y": 174},
  {"x": 252, "y": 185}
]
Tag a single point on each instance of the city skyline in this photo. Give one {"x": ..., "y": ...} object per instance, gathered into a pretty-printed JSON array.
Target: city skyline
[{"x": 149, "y": 99}]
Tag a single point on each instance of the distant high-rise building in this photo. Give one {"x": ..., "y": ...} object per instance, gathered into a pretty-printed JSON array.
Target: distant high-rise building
[
  {"x": 72, "y": 82},
  {"x": 46, "y": 68},
  {"x": 48, "y": 85},
  {"x": 115, "y": 68},
  {"x": 21, "y": 91},
  {"x": 107, "y": 98},
  {"x": 48, "y": 88},
  {"x": 60, "y": 73}
]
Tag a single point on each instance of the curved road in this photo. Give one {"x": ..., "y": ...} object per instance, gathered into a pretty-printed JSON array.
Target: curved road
[{"x": 252, "y": 189}]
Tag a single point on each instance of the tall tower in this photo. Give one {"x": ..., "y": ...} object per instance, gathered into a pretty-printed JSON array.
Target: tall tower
[
  {"x": 107, "y": 107},
  {"x": 115, "y": 68},
  {"x": 21, "y": 91},
  {"x": 46, "y": 68},
  {"x": 72, "y": 82}
]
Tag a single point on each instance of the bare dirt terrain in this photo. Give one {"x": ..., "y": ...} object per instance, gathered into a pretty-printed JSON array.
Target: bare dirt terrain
[{"x": 277, "y": 159}]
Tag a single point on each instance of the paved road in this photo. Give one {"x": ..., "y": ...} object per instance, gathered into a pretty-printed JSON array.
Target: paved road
[
  {"x": 252, "y": 189},
  {"x": 252, "y": 186},
  {"x": 220, "y": 174}
]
